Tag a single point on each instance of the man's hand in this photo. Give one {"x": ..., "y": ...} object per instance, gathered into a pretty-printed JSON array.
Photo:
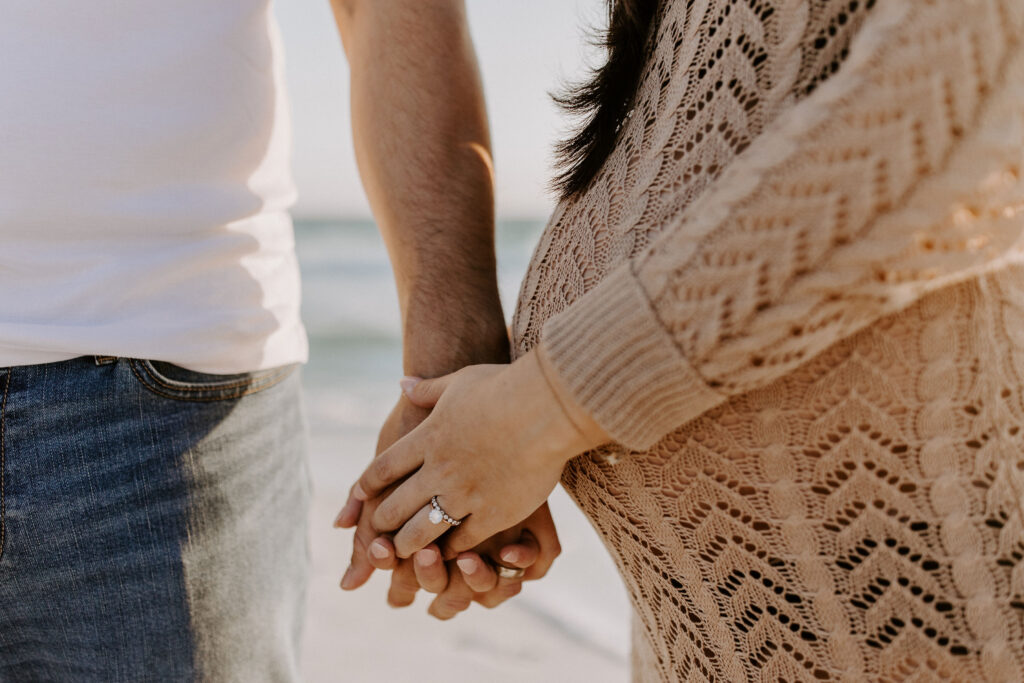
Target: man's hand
[
  {"x": 423, "y": 149},
  {"x": 532, "y": 545},
  {"x": 490, "y": 453}
]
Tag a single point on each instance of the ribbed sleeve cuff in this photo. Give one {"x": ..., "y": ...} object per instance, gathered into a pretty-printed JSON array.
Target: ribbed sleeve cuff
[{"x": 618, "y": 361}]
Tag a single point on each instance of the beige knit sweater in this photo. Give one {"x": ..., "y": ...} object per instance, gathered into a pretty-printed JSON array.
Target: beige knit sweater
[{"x": 795, "y": 298}]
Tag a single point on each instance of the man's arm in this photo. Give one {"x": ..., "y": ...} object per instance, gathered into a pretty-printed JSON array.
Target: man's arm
[{"x": 423, "y": 149}]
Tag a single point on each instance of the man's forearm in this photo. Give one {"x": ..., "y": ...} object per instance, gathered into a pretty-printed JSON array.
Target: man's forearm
[{"x": 423, "y": 149}]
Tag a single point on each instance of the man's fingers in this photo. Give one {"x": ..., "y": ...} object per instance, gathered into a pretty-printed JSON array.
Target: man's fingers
[
  {"x": 522, "y": 554},
  {"x": 430, "y": 569},
  {"x": 477, "y": 574},
  {"x": 462, "y": 538},
  {"x": 542, "y": 528},
  {"x": 456, "y": 598},
  {"x": 506, "y": 588},
  {"x": 404, "y": 585},
  {"x": 387, "y": 468}
]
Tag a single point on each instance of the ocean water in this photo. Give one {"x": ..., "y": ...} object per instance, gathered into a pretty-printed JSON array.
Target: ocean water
[
  {"x": 350, "y": 309},
  {"x": 351, "y": 383}
]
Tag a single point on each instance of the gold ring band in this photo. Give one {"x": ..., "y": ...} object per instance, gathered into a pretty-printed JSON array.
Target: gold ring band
[{"x": 509, "y": 572}]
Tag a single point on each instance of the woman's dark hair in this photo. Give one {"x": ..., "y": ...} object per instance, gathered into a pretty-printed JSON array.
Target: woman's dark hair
[{"x": 603, "y": 101}]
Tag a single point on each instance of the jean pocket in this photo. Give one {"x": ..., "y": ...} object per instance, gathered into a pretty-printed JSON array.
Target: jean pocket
[{"x": 175, "y": 382}]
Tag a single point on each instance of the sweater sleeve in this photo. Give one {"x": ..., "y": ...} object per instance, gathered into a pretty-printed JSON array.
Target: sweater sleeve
[{"x": 899, "y": 175}]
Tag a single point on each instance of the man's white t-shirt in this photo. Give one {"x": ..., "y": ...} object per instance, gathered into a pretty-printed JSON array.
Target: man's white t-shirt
[{"x": 145, "y": 185}]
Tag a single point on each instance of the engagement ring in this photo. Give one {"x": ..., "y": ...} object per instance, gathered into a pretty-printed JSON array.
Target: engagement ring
[{"x": 437, "y": 515}]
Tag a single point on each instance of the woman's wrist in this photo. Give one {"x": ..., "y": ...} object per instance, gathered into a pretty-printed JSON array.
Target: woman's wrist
[
  {"x": 593, "y": 434},
  {"x": 561, "y": 428}
]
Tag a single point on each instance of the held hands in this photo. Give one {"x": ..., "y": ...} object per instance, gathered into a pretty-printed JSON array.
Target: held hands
[
  {"x": 532, "y": 546},
  {"x": 491, "y": 450},
  {"x": 472, "y": 577}
]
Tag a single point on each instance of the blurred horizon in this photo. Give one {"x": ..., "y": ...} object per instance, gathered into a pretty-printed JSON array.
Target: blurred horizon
[{"x": 526, "y": 50}]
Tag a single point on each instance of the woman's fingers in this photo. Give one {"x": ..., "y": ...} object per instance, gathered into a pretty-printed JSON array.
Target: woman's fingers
[
  {"x": 430, "y": 569},
  {"x": 505, "y": 589},
  {"x": 457, "y": 597},
  {"x": 401, "y": 505},
  {"x": 420, "y": 531},
  {"x": 390, "y": 466},
  {"x": 477, "y": 573},
  {"x": 404, "y": 585},
  {"x": 425, "y": 393}
]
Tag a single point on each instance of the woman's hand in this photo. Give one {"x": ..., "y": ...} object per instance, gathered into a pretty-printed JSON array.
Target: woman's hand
[
  {"x": 491, "y": 450},
  {"x": 532, "y": 545}
]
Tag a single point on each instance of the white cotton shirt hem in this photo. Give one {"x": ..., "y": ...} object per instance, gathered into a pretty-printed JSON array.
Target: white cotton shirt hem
[{"x": 145, "y": 182}]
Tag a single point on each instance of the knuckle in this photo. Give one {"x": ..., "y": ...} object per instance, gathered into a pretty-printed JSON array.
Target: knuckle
[
  {"x": 384, "y": 519},
  {"x": 455, "y": 605},
  {"x": 381, "y": 470},
  {"x": 401, "y": 593},
  {"x": 433, "y": 584},
  {"x": 405, "y": 584},
  {"x": 511, "y": 590},
  {"x": 360, "y": 541}
]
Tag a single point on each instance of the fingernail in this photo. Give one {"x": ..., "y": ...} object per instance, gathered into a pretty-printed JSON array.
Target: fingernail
[
  {"x": 468, "y": 565},
  {"x": 511, "y": 555},
  {"x": 378, "y": 550},
  {"x": 408, "y": 384},
  {"x": 426, "y": 557},
  {"x": 346, "y": 581},
  {"x": 358, "y": 492}
]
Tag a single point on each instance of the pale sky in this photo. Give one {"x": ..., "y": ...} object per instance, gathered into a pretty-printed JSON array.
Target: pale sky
[{"x": 527, "y": 48}]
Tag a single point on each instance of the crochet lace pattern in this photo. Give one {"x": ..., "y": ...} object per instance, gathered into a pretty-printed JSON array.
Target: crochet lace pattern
[{"x": 794, "y": 297}]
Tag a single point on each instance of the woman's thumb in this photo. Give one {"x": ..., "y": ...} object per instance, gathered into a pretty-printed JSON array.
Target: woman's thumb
[{"x": 424, "y": 393}]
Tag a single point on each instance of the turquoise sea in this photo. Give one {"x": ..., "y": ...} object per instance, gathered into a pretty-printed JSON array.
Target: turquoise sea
[{"x": 351, "y": 381}]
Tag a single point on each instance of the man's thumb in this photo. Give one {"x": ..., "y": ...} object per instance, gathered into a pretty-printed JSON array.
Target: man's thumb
[{"x": 424, "y": 393}]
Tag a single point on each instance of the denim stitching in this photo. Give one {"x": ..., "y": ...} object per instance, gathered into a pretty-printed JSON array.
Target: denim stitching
[
  {"x": 3, "y": 463},
  {"x": 252, "y": 389},
  {"x": 183, "y": 386},
  {"x": 255, "y": 380}
]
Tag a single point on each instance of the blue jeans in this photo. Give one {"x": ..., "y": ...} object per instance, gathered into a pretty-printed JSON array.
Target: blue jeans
[{"x": 153, "y": 523}]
